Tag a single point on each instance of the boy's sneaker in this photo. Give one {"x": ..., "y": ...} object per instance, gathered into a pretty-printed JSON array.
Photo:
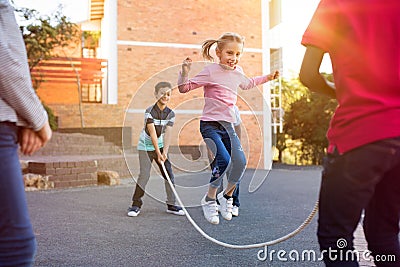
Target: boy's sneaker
[
  {"x": 235, "y": 211},
  {"x": 133, "y": 211},
  {"x": 226, "y": 206},
  {"x": 210, "y": 210},
  {"x": 176, "y": 210}
]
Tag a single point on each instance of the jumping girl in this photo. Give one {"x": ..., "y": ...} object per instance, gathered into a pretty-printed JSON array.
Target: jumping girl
[{"x": 220, "y": 82}]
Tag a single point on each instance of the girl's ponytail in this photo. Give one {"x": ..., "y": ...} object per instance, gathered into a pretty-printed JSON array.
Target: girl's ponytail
[{"x": 205, "y": 48}]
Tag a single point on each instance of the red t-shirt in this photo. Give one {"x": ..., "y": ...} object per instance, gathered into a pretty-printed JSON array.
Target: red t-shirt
[{"x": 363, "y": 41}]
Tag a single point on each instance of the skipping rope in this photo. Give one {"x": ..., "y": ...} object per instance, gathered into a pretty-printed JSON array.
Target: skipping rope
[{"x": 247, "y": 246}]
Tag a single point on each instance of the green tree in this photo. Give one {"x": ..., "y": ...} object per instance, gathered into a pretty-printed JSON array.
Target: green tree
[
  {"x": 292, "y": 90},
  {"x": 42, "y": 35},
  {"x": 307, "y": 120}
]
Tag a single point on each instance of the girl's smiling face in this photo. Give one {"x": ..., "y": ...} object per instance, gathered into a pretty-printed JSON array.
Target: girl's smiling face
[{"x": 230, "y": 53}]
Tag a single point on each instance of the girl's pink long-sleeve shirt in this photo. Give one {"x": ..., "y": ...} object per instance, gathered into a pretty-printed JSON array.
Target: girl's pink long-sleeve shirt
[{"x": 220, "y": 90}]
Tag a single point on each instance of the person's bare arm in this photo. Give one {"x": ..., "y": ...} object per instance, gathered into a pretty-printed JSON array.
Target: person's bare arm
[
  {"x": 29, "y": 141},
  {"x": 45, "y": 133},
  {"x": 310, "y": 75},
  {"x": 32, "y": 141},
  {"x": 167, "y": 141},
  {"x": 153, "y": 135}
]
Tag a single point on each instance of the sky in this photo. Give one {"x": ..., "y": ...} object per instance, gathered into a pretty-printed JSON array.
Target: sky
[
  {"x": 50, "y": 6},
  {"x": 296, "y": 15}
]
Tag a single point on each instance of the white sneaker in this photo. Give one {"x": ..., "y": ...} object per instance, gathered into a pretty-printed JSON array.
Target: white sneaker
[
  {"x": 235, "y": 211},
  {"x": 226, "y": 206},
  {"x": 210, "y": 210},
  {"x": 176, "y": 210},
  {"x": 133, "y": 211}
]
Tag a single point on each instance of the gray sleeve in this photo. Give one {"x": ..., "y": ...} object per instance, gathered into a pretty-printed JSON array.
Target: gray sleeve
[{"x": 16, "y": 89}]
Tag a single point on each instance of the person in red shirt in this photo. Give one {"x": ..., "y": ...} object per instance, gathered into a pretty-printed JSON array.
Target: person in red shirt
[{"x": 362, "y": 168}]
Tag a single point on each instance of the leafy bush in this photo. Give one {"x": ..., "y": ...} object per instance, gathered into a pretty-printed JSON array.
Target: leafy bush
[{"x": 52, "y": 118}]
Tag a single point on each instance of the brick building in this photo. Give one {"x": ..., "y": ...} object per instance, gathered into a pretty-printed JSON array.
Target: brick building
[{"x": 146, "y": 41}]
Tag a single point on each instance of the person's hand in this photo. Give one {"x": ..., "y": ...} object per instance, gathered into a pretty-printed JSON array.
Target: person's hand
[
  {"x": 164, "y": 156},
  {"x": 160, "y": 158},
  {"x": 186, "y": 64},
  {"x": 45, "y": 133},
  {"x": 30, "y": 141},
  {"x": 273, "y": 76}
]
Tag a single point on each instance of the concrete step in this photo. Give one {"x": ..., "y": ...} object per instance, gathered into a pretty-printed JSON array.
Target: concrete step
[
  {"x": 77, "y": 144},
  {"x": 76, "y": 138},
  {"x": 68, "y": 149}
]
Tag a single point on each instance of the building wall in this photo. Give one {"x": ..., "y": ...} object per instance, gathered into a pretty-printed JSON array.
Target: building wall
[
  {"x": 142, "y": 27},
  {"x": 164, "y": 21},
  {"x": 190, "y": 22}
]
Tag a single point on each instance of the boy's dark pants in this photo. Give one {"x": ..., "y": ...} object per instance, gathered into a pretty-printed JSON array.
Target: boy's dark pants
[
  {"x": 145, "y": 161},
  {"x": 366, "y": 178}
]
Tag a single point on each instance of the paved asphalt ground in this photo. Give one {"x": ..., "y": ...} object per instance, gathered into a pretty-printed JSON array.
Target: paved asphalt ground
[{"x": 89, "y": 226}]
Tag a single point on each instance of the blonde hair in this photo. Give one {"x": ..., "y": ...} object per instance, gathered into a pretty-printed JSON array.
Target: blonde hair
[{"x": 221, "y": 41}]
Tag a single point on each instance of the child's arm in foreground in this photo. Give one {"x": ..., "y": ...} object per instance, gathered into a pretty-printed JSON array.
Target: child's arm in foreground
[
  {"x": 167, "y": 141},
  {"x": 153, "y": 135},
  {"x": 310, "y": 75}
]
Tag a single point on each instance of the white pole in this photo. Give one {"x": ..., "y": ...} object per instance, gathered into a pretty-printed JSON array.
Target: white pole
[
  {"x": 109, "y": 48},
  {"x": 267, "y": 134}
]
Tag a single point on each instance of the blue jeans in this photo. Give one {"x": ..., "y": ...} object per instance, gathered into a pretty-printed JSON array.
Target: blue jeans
[
  {"x": 221, "y": 139},
  {"x": 366, "y": 178},
  {"x": 235, "y": 194},
  {"x": 17, "y": 241}
]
